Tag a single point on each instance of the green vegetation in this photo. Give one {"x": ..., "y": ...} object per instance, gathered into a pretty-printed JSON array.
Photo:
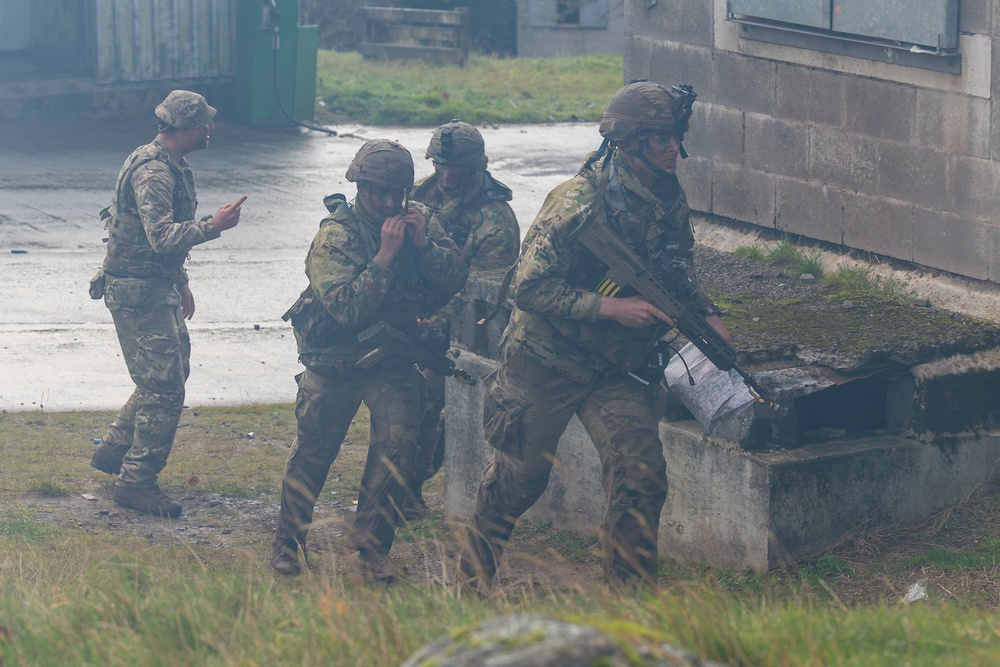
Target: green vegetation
[
  {"x": 754, "y": 251},
  {"x": 848, "y": 281},
  {"x": 485, "y": 90},
  {"x": 82, "y": 587},
  {"x": 796, "y": 259},
  {"x": 854, "y": 281}
]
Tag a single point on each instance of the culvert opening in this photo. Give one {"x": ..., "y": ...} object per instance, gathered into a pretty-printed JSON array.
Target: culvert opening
[{"x": 856, "y": 406}]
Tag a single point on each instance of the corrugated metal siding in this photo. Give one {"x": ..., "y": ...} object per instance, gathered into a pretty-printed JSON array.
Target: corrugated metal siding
[{"x": 151, "y": 40}]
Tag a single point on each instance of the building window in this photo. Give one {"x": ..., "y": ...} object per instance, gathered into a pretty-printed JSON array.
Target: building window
[
  {"x": 917, "y": 33},
  {"x": 568, "y": 13}
]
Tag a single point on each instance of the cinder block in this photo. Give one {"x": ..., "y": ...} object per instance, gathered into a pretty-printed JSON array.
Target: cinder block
[
  {"x": 974, "y": 17},
  {"x": 638, "y": 58},
  {"x": 878, "y": 225},
  {"x": 687, "y": 21},
  {"x": 809, "y": 95},
  {"x": 952, "y": 123},
  {"x": 844, "y": 160},
  {"x": 810, "y": 209},
  {"x": 880, "y": 109},
  {"x": 744, "y": 83},
  {"x": 717, "y": 132},
  {"x": 949, "y": 242},
  {"x": 695, "y": 175},
  {"x": 776, "y": 146},
  {"x": 972, "y": 190},
  {"x": 676, "y": 63},
  {"x": 912, "y": 173},
  {"x": 743, "y": 194}
]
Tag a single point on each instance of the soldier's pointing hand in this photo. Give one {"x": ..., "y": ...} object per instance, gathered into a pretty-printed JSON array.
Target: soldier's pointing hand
[{"x": 228, "y": 216}]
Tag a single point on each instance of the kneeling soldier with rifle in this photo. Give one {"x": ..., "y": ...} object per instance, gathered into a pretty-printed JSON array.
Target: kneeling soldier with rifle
[
  {"x": 578, "y": 343},
  {"x": 373, "y": 260}
]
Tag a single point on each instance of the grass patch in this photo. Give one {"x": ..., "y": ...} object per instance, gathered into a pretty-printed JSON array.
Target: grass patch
[
  {"x": 484, "y": 90},
  {"x": 19, "y": 529},
  {"x": 754, "y": 251},
  {"x": 796, "y": 259},
  {"x": 848, "y": 281},
  {"x": 48, "y": 487},
  {"x": 950, "y": 560},
  {"x": 141, "y": 591},
  {"x": 861, "y": 281}
]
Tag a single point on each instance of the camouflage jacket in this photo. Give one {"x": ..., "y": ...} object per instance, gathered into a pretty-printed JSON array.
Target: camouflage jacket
[
  {"x": 555, "y": 321},
  {"x": 357, "y": 290},
  {"x": 481, "y": 223},
  {"x": 150, "y": 223}
]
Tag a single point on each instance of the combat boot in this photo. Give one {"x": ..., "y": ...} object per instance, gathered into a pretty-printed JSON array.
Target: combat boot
[
  {"x": 108, "y": 458},
  {"x": 146, "y": 497},
  {"x": 285, "y": 557},
  {"x": 377, "y": 568}
]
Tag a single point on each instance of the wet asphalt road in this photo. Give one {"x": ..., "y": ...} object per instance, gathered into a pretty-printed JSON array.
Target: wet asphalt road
[{"x": 58, "y": 349}]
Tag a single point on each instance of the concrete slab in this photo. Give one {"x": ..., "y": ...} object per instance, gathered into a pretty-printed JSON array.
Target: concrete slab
[
  {"x": 58, "y": 349},
  {"x": 729, "y": 507}
]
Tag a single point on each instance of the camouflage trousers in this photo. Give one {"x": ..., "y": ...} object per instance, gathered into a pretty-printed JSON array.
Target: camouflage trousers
[
  {"x": 157, "y": 350},
  {"x": 526, "y": 409},
  {"x": 430, "y": 442},
  {"x": 325, "y": 405}
]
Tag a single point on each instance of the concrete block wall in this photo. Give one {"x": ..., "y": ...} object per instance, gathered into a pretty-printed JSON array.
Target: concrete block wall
[
  {"x": 899, "y": 161},
  {"x": 728, "y": 507}
]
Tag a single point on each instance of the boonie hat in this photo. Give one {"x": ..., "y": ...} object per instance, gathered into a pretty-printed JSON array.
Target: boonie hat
[{"x": 183, "y": 109}]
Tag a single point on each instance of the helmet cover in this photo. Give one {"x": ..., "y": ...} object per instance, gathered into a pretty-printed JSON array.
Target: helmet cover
[
  {"x": 639, "y": 106},
  {"x": 383, "y": 163},
  {"x": 458, "y": 144}
]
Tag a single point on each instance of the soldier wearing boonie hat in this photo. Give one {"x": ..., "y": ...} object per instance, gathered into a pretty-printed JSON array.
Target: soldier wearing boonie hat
[
  {"x": 184, "y": 110},
  {"x": 152, "y": 226}
]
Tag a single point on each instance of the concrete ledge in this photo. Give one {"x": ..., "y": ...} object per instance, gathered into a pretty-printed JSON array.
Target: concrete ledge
[{"x": 727, "y": 507}]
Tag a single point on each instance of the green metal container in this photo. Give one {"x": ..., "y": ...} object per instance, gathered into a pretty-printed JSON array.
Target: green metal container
[{"x": 269, "y": 78}]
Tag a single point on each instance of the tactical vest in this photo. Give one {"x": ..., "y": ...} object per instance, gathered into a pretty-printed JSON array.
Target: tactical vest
[{"x": 129, "y": 252}]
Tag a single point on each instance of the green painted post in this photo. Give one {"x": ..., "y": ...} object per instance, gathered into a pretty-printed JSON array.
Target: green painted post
[{"x": 254, "y": 95}]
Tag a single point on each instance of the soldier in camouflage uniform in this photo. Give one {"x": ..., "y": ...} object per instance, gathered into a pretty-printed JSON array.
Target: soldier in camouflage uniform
[
  {"x": 472, "y": 208},
  {"x": 569, "y": 349},
  {"x": 151, "y": 228},
  {"x": 370, "y": 261}
]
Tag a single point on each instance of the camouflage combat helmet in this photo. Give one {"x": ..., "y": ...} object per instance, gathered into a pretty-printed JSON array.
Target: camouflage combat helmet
[
  {"x": 384, "y": 163},
  {"x": 642, "y": 105},
  {"x": 458, "y": 144},
  {"x": 183, "y": 109}
]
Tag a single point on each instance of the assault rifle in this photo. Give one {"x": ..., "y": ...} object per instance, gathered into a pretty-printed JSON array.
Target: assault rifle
[
  {"x": 393, "y": 342},
  {"x": 666, "y": 285}
]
